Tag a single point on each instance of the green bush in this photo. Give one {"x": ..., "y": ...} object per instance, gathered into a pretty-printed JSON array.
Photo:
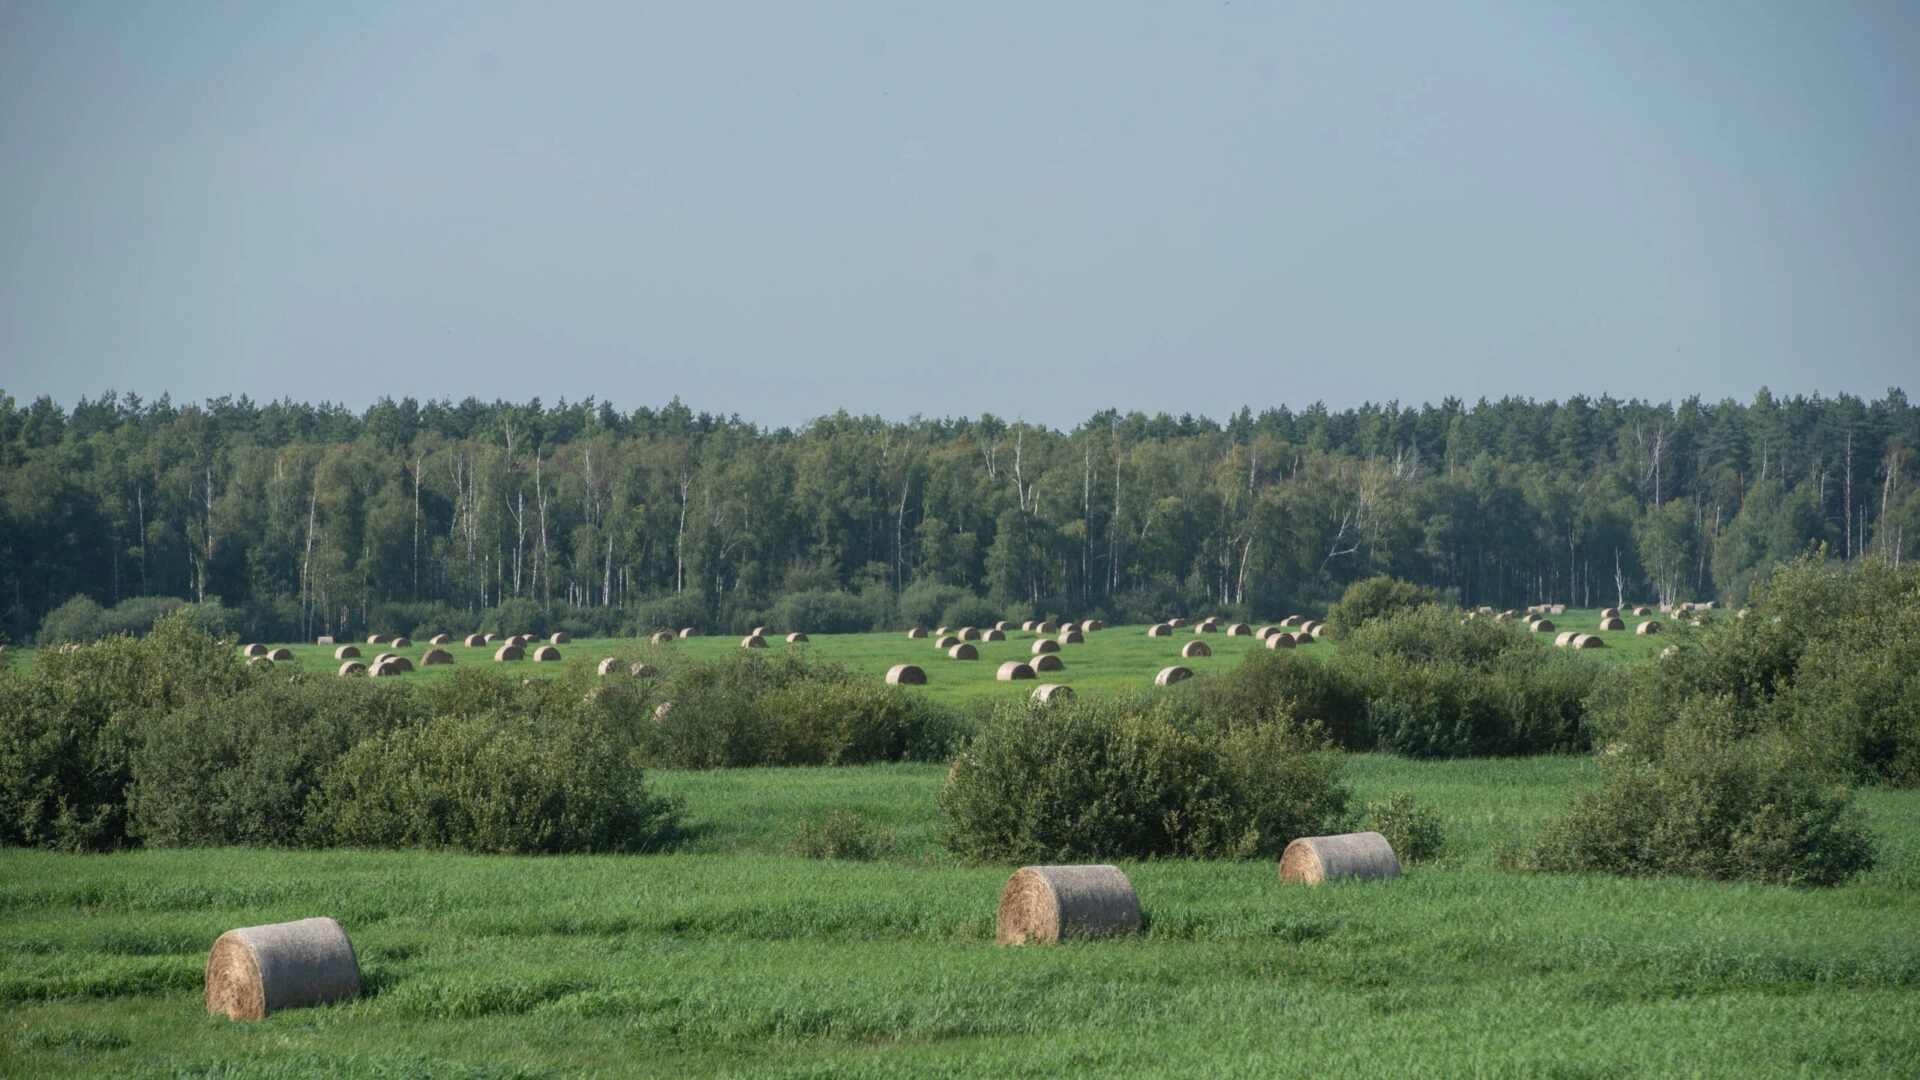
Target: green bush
[
  {"x": 1370, "y": 599},
  {"x": 842, "y": 834},
  {"x": 1710, "y": 802},
  {"x": 1136, "y": 778},
  {"x": 1414, "y": 831},
  {"x": 971, "y": 611}
]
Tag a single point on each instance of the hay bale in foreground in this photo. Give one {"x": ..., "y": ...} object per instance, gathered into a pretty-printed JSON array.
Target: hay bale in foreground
[
  {"x": 1071, "y": 637},
  {"x": 917, "y": 633},
  {"x": 353, "y": 667},
  {"x": 1612, "y": 623},
  {"x": 1280, "y": 640},
  {"x": 1045, "y": 645},
  {"x": 1012, "y": 671},
  {"x": 1048, "y": 662},
  {"x": 1196, "y": 648},
  {"x": 945, "y": 642},
  {"x": 547, "y": 654},
  {"x": 280, "y": 654},
  {"x": 906, "y": 675},
  {"x": 753, "y": 641},
  {"x": 611, "y": 665},
  {"x": 254, "y": 650},
  {"x": 436, "y": 656},
  {"x": 1311, "y": 860},
  {"x": 1174, "y": 674},
  {"x": 796, "y": 638},
  {"x": 1541, "y": 626},
  {"x": 1048, "y": 903},
  {"x": 258, "y": 970},
  {"x": 509, "y": 652},
  {"x": 1651, "y": 626},
  {"x": 963, "y": 651},
  {"x": 1160, "y": 630},
  {"x": 475, "y": 641},
  {"x": 1047, "y": 692}
]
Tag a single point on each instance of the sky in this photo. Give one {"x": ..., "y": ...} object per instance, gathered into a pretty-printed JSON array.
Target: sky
[{"x": 778, "y": 210}]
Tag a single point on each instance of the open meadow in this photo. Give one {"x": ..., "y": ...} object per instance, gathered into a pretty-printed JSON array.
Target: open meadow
[{"x": 734, "y": 957}]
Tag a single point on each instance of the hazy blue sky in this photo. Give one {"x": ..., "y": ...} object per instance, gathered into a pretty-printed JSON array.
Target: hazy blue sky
[{"x": 1039, "y": 210}]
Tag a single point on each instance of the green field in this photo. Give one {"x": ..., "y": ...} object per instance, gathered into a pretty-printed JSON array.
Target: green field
[
  {"x": 732, "y": 957},
  {"x": 1116, "y": 659}
]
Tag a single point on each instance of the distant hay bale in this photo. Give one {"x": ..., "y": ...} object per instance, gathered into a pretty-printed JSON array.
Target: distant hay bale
[
  {"x": 436, "y": 656},
  {"x": 280, "y": 654},
  {"x": 1307, "y": 638},
  {"x": 401, "y": 643},
  {"x": 257, "y": 970},
  {"x": 1280, "y": 640},
  {"x": 1027, "y": 626},
  {"x": 969, "y": 633},
  {"x": 323, "y": 639},
  {"x": 376, "y": 639},
  {"x": 661, "y": 710},
  {"x": 662, "y": 637},
  {"x": 1669, "y": 650},
  {"x": 1177, "y": 623},
  {"x": 642, "y": 670},
  {"x": 1196, "y": 648},
  {"x": 943, "y": 631},
  {"x": 762, "y": 631},
  {"x": 917, "y": 633},
  {"x": 906, "y": 675},
  {"x": 611, "y": 665},
  {"x": 439, "y": 639},
  {"x": 1311, "y": 860},
  {"x": 1610, "y": 613},
  {"x": 796, "y": 638},
  {"x": 509, "y": 652},
  {"x": 1542, "y": 626},
  {"x": 1651, "y": 626},
  {"x": 1047, "y": 692},
  {"x": 1587, "y": 641},
  {"x": 1071, "y": 637},
  {"x": 1293, "y": 620},
  {"x": 753, "y": 641},
  {"x": 1013, "y": 670},
  {"x": 1049, "y": 903},
  {"x": 1069, "y": 625},
  {"x": 546, "y": 654},
  {"x": 259, "y": 661},
  {"x": 491, "y": 638},
  {"x": 254, "y": 650},
  {"x": 1003, "y": 626},
  {"x": 945, "y": 642},
  {"x": 1312, "y": 628},
  {"x": 384, "y": 668},
  {"x": 1048, "y": 662},
  {"x": 1169, "y": 676},
  {"x": 1612, "y": 623},
  {"x": 1239, "y": 629},
  {"x": 1207, "y": 626},
  {"x": 1566, "y": 638},
  {"x": 1485, "y": 610},
  {"x": 963, "y": 651},
  {"x": 1266, "y": 632},
  {"x": 1045, "y": 628},
  {"x": 688, "y": 632},
  {"x": 560, "y": 639},
  {"x": 1641, "y": 611},
  {"x": 353, "y": 667},
  {"x": 475, "y": 641},
  {"x": 1557, "y": 609},
  {"x": 1045, "y": 645},
  {"x": 993, "y": 635},
  {"x": 1159, "y": 630},
  {"x": 1092, "y": 625},
  {"x": 384, "y": 657}
]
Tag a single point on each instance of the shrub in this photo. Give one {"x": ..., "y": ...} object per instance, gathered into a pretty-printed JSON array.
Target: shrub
[
  {"x": 671, "y": 613},
  {"x": 842, "y": 834},
  {"x": 1414, "y": 831},
  {"x": 1135, "y": 778},
  {"x": 1709, "y": 802},
  {"x": 971, "y": 611},
  {"x": 1370, "y": 599},
  {"x": 924, "y": 603},
  {"x": 829, "y": 611},
  {"x": 76, "y": 620}
]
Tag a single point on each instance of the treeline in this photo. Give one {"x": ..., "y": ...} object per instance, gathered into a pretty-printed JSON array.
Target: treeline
[{"x": 288, "y": 520}]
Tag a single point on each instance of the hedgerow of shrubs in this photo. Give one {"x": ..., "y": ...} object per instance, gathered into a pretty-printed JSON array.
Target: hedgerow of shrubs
[
  {"x": 1374, "y": 598},
  {"x": 1137, "y": 777}
]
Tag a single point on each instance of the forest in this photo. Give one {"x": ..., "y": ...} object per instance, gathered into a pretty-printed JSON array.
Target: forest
[{"x": 286, "y": 520}]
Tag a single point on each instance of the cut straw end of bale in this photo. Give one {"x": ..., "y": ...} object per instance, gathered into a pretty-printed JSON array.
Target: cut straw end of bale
[
  {"x": 1196, "y": 648},
  {"x": 906, "y": 675}
]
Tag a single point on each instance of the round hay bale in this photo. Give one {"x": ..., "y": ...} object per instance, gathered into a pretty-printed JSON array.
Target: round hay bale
[
  {"x": 439, "y": 639},
  {"x": 1485, "y": 610},
  {"x": 1642, "y": 611},
  {"x": 662, "y": 637},
  {"x": 1047, "y": 692},
  {"x": 1651, "y": 626},
  {"x": 254, "y": 650},
  {"x": 1169, "y": 676},
  {"x": 1541, "y": 626},
  {"x": 384, "y": 657},
  {"x": 1045, "y": 645},
  {"x": 401, "y": 643},
  {"x": 1293, "y": 620},
  {"x": 1071, "y": 637},
  {"x": 1239, "y": 629},
  {"x": 1587, "y": 641},
  {"x": 1092, "y": 625},
  {"x": 1265, "y": 632},
  {"x": 1612, "y": 622},
  {"x": 509, "y": 652},
  {"x": 642, "y": 670},
  {"x": 945, "y": 642},
  {"x": 475, "y": 641},
  {"x": 753, "y": 641},
  {"x": 943, "y": 631},
  {"x": 1311, "y": 627},
  {"x": 762, "y": 631},
  {"x": 963, "y": 651},
  {"x": 1207, "y": 626},
  {"x": 546, "y": 654},
  {"x": 384, "y": 668},
  {"x": 688, "y": 631},
  {"x": 1305, "y": 638},
  {"x": 259, "y": 661},
  {"x": 1177, "y": 623},
  {"x": 491, "y": 638},
  {"x": 560, "y": 639},
  {"x": 968, "y": 633},
  {"x": 1066, "y": 626},
  {"x": 1048, "y": 903},
  {"x": 1045, "y": 628},
  {"x": 610, "y": 665},
  {"x": 1196, "y": 648},
  {"x": 906, "y": 675},
  {"x": 324, "y": 639},
  {"x": 1566, "y": 638},
  {"x": 258, "y": 970},
  {"x": 1610, "y": 613},
  {"x": 1013, "y": 670},
  {"x": 376, "y": 639},
  {"x": 1048, "y": 662},
  {"x": 993, "y": 635},
  {"x": 1159, "y": 630},
  {"x": 280, "y": 654},
  {"x": 796, "y": 638},
  {"x": 1003, "y": 626},
  {"x": 353, "y": 667},
  {"x": 1280, "y": 641},
  {"x": 917, "y": 633},
  {"x": 661, "y": 710},
  {"x": 1311, "y": 860},
  {"x": 346, "y": 652},
  {"x": 1027, "y": 625},
  {"x": 436, "y": 656}
]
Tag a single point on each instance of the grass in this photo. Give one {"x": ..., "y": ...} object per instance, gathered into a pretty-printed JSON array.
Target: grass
[{"x": 731, "y": 957}]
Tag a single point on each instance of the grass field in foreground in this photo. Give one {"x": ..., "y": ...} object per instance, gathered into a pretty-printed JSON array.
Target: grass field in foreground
[
  {"x": 734, "y": 958},
  {"x": 1112, "y": 660}
]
